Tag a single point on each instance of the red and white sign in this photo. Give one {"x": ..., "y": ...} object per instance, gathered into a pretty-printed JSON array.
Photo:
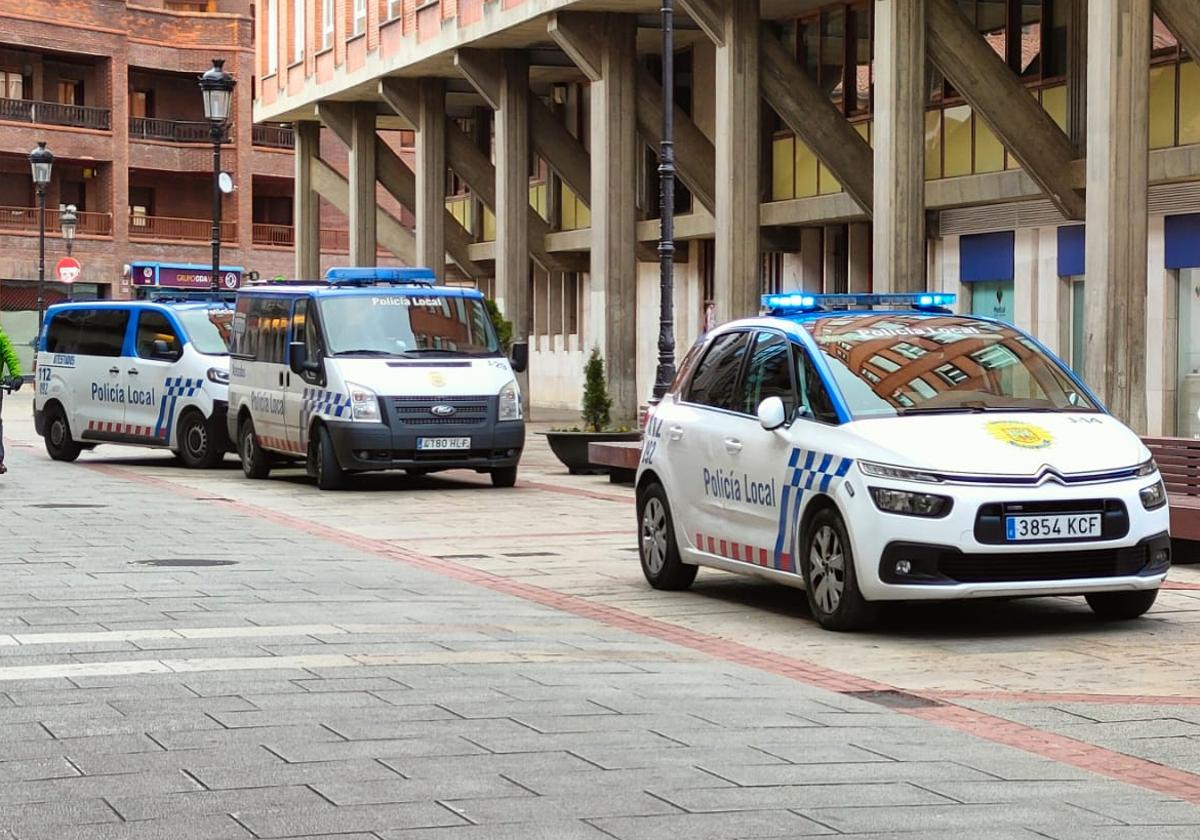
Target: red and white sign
[{"x": 68, "y": 270}]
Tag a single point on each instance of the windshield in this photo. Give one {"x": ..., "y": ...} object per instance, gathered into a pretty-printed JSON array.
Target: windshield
[
  {"x": 208, "y": 329},
  {"x": 407, "y": 325},
  {"x": 890, "y": 364}
]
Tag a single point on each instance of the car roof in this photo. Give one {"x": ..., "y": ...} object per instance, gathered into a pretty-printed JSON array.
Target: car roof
[
  {"x": 138, "y": 304},
  {"x": 336, "y": 290}
]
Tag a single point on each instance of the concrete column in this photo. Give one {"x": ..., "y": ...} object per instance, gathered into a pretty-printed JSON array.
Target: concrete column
[
  {"x": 860, "y": 257},
  {"x": 899, "y": 141},
  {"x": 306, "y": 206},
  {"x": 1117, "y": 176},
  {"x": 737, "y": 194},
  {"x": 834, "y": 259},
  {"x": 812, "y": 260},
  {"x": 362, "y": 185},
  {"x": 1162, "y": 333},
  {"x": 1025, "y": 271},
  {"x": 512, "y": 192},
  {"x": 614, "y": 151},
  {"x": 1052, "y": 321},
  {"x": 431, "y": 176}
]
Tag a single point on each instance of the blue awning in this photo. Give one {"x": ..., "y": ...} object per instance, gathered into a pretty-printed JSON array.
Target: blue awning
[
  {"x": 986, "y": 256},
  {"x": 1072, "y": 244},
  {"x": 1183, "y": 241}
]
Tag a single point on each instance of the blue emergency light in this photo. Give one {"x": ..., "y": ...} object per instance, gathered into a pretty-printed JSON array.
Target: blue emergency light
[
  {"x": 366, "y": 275},
  {"x": 795, "y": 303}
]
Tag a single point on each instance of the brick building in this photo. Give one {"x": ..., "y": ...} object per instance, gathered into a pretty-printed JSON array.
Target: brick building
[{"x": 111, "y": 86}]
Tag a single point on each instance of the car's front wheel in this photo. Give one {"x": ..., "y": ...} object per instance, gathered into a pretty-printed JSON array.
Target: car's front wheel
[
  {"x": 661, "y": 563},
  {"x": 1121, "y": 606},
  {"x": 197, "y": 449},
  {"x": 830, "y": 580},
  {"x": 325, "y": 466}
]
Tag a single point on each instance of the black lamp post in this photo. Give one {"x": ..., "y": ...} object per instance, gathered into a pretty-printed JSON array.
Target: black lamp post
[
  {"x": 217, "y": 87},
  {"x": 41, "y": 162},
  {"x": 665, "y": 373},
  {"x": 68, "y": 221}
]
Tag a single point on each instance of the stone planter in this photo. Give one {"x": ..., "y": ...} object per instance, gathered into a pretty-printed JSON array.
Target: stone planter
[{"x": 571, "y": 448}]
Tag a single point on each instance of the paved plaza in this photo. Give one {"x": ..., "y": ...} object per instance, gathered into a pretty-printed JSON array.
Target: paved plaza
[{"x": 193, "y": 656}]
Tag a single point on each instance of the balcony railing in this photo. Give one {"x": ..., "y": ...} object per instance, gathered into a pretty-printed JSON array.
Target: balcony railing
[
  {"x": 176, "y": 229},
  {"x": 176, "y": 131},
  {"x": 335, "y": 240},
  {"x": 55, "y": 113},
  {"x": 26, "y": 219},
  {"x": 276, "y": 136},
  {"x": 279, "y": 235}
]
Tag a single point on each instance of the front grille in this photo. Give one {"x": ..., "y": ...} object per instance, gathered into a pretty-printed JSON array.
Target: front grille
[
  {"x": 1043, "y": 565},
  {"x": 416, "y": 411},
  {"x": 989, "y": 521}
]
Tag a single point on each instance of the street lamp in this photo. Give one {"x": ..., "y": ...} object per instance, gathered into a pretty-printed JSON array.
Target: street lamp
[
  {"x": 665, "y": 373},
  {"x": 68, "y": 221},
  {"x": 41, "y": 162},
  {"x": 217, "y": 87}
]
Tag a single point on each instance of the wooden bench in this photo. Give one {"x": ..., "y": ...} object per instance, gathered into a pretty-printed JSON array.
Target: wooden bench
[
  {"x": 1178, "y": 461},
  {"x": 621, "y": 458}
]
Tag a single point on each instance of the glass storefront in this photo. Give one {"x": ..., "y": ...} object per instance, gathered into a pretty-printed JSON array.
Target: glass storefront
[{"x": 993, "y": 299}]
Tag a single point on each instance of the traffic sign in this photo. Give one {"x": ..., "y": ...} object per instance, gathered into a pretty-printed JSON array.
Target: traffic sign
[{"x": 68, "y": 270}]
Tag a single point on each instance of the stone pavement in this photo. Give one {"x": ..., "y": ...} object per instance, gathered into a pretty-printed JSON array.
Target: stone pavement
[{"x": 192, "y": 655}]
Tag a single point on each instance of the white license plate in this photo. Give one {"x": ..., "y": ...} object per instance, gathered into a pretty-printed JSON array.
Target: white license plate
[
  {"x": 1063, "y": 526},
  {"x": 443, "y": 443}
]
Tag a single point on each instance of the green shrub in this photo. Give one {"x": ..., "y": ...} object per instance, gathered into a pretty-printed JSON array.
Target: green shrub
[
  {"x": 596, "y": 402},
  {"x": 504, "y": 327}
]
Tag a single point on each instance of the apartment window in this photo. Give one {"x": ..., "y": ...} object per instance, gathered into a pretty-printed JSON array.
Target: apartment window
[
  {"x": 12, "y": 85},
  {"x": 394, "y": 9},
  {"x": 360, "y": 16},
  {"x": 70, "y": 92},
  {"x": 326, "y": 24},
  {"x": 298, "y": 13},
  {"x": 272, "y": 36}
]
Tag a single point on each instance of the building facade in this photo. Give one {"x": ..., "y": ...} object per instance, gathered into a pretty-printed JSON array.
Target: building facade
[
  {"x": 111, "y": 87},
  {"x": 1041, "y": 158}
]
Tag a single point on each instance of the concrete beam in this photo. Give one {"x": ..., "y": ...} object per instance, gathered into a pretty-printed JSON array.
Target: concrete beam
[
  {"x": 306, "y": 225},
  {"x": 578, "y": 34},
  {"x": 363, "y": 231},
  {"x": 709, "y": 16},
  {"x": 334, "y": 187},
  {"x": 430, "y": 187},
  {"x": 807, "y": 111},
  {"x": 695, "y": 157},
  {"x": 1182, "y": 17},
  {"x": 998, "y": 96},
  {"x": 482, "y": 69},
  {"x": 400, "y": 181}
]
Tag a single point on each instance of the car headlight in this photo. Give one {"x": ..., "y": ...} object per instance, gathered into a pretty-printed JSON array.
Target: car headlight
[
  {"x": 898, "y": 473},
  {"x": 510, "y": 401},
  {"x": 364, "y": 404},
  {"x": 218, "y": 375},
  {"x": 1146, "y": 468},
  {"x": 1154, "y": 496},
  {"x": 910, "y": 504}
]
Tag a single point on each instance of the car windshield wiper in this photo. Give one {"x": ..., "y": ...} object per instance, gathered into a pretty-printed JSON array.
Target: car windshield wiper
[
  {"x": 941, "y": 409},
  {"x": 363, "y": 352}
]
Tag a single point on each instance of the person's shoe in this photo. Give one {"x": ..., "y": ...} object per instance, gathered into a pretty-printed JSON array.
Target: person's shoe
[{"x": 3, "y": 469}]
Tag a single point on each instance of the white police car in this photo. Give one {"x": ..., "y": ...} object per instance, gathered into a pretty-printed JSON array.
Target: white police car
[
  {"x": 147, "y": 373},
  {"x": 906, "y": 454}
]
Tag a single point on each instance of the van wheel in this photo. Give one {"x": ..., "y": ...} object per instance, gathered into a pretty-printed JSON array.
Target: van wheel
[
  {"x": 329, "y": 473},
  {"x": 255, "y": 461},
  {"x": 59, "y": 444},
  {"x": 659, "y": 553},
  {"x": 504, "y": 476},
  {"x": 197, "y": 448},
  {"x": 1121, "y": 606},
  {"x": 830, "y": 581}
]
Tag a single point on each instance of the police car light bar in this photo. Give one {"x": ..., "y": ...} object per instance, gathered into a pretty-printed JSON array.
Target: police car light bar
[
  {"x": 795, "y": 303},
  {"x": 369, "y": 275}
]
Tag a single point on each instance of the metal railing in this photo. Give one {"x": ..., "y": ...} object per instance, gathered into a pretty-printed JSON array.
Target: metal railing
[
  {"x": 176, "y": 229},
  {"x": 176, "y": 131},
  {"x": 335, "y": 240},
  {"x": 26, "y": 219},
  {"x": 275, "y": 136},
  {"x": 282, "y": 236},
  {"x": 55, "y": 113}
]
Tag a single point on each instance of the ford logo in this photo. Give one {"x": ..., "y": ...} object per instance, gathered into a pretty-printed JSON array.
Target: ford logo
[{"x": 442, "y": 410}]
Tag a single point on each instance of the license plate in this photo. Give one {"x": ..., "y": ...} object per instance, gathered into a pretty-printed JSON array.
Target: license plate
[
  {"x": 1064, "y": 526},
  {"x": 443, "y": 443}
]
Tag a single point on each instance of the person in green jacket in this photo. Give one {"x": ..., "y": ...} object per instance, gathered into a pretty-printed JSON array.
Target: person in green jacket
[{"x": 8, "y": 359}]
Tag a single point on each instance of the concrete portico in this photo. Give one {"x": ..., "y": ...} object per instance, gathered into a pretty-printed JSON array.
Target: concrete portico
[{"x": 827, "y": 146}]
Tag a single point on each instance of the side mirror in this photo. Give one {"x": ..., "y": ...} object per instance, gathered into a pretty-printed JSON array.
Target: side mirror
[
  {"x": 298, "y": 358},
  {"x": 163, "y": 351},
  {"x": 771, "y": 413},
  {"x": 519, "y": 356}
]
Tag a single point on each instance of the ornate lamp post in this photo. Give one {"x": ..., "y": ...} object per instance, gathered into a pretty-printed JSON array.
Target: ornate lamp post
[
  {"x": 665, "y": 373},
  {"x": 41, "y": 162},
  {"x": 217, "y": 87}
]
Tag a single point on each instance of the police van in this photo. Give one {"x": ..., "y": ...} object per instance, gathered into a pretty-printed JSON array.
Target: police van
[
  {"x": 147, "y": 373},
  {"x": 873, "y": 448},
  {"x": 373, "y": 369}
]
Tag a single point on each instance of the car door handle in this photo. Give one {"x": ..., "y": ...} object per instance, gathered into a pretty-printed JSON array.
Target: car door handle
[
  {"x": 114, "y": 371},
  {"x": 733, "y": 444},
  {"x": 133, "y": 371},
  {"x": 675, "y": 432}
]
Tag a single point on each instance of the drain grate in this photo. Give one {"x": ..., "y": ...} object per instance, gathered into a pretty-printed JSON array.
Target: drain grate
[
  {"x": 66, "y": 506},
  {"x": 185, "y": 561},
  {"x": 530, "y": 554},
  {"x": 895, "y": 699}
]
